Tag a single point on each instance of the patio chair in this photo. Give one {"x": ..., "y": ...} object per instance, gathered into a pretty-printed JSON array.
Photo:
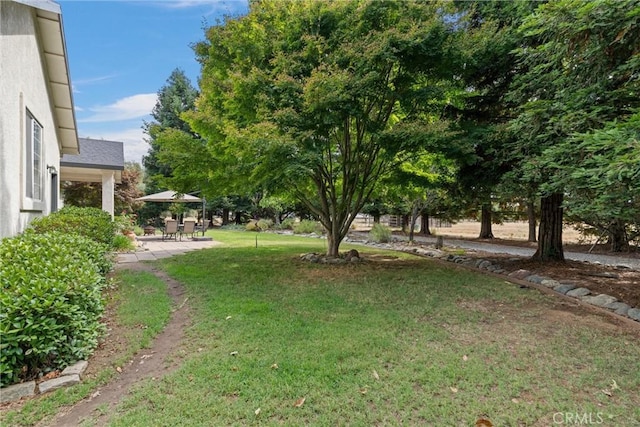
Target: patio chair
[
  {"x": 170, "y": 230},
  {"x": 203, "y": 227},
  {"x": 189, "y": 228}
]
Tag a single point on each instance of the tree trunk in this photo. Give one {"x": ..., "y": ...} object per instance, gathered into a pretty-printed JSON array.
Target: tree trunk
[
  {"x": 424, "y": 224},
  {"x": 618, "y": 236},
  {"x": 550, "y": 231},
  {"x": 225, "y": 216},
  {"x": 405, "y": 223},
  {"x": 531, "y": 215},
  {"x": 485, "y": 222},
  {"x": 412, "y": 222},
  {"x": 333, "y": 245},
  {"x": 238, "y": 218},
  {"x": 376, "y": 218}
]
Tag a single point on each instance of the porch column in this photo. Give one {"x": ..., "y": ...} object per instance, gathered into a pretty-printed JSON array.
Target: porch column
[{"x": 108, "y": 191}]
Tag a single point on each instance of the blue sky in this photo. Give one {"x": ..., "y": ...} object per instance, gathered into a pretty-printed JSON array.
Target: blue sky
[{"x": 122, "y": 52}]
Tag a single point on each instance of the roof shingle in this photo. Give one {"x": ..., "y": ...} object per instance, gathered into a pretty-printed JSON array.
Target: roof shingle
[{"x": 96, "y": 154}]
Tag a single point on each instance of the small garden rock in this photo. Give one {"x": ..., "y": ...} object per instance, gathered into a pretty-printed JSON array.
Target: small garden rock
[
  {"x": 600, "y": 300},
  {"x": 618, "y": 307},
  {"x": 55, "y": 383},
  {"x": 519, "y": 274},
  {"x": 17, "y": 391},
  {"x": 579, "y": 292},
  {"x": 77, "y": 368},
  {"x": 634, "y": 313},
  {"x": 550, "y": 283},
  {"x": 563, "y": 289}
]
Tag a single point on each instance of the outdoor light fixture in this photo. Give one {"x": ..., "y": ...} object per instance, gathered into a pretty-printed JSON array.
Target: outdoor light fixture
[{"x": 52, "y": 169}]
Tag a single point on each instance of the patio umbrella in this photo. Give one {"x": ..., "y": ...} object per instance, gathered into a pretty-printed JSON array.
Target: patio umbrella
[{"x": 169, "y": 197}]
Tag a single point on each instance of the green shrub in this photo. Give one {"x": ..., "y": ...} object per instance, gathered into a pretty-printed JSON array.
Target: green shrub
[
  {"x": 307, "y": 226},
  {"x": 380, "y": 233},
  {"x": 287, "y": 224},
  {"x": 251, "y": 226},
  {"x": 90, "y": 222},
  {"x": 234, "y": 227},
  {"x": 124, "y": 223},
  {"x": 50, "y": 302},
  {"x": 122, "y": 243},
  {"x": 265, "y": 224}
]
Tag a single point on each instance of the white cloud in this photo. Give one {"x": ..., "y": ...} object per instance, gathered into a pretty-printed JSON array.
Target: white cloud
[
  {"x": 76, "y": 83},
  {"x": 133, "y": 139},
  {"x": 131, "y": 107}
]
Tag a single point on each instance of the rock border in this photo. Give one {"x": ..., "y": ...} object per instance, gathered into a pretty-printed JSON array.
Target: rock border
[
  {"x": 566, "y": 288},
  {"x": 69, "y": 376}
]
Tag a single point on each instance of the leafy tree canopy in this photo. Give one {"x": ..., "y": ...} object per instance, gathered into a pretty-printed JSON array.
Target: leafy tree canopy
[{"x": 319, "y": 99}]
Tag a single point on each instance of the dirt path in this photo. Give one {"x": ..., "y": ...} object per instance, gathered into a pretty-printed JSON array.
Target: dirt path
[{"x": 150, "y": 363}]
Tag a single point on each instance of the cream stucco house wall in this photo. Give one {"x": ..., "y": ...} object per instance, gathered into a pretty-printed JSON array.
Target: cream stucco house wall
[{"x": 37, "y": 121}]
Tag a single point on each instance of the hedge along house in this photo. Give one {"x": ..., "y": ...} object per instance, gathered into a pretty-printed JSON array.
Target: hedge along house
[
  {"x": 37, "y": 119},
  {"x": 98, "y": 161}
]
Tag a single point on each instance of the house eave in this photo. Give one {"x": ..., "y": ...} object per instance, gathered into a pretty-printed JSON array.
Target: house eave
[{"x": 50, "y": 27}]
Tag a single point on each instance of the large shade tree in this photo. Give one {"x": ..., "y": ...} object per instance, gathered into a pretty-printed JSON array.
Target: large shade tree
[
  {"x": 319, "y": 99},
  {"x": 174, "y": 98},
  {"x": 482, "y": 111},
  {"x": 580, "y": 74}
]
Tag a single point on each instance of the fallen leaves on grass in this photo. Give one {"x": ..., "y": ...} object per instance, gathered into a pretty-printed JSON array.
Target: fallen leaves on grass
[
  {"x": 299, "y": 402},
  {"x": 375, "y": 375},
  {"x": 612, "y": 387},
  {"x": 257, "y": 411},
  {"x": 483, "y": 422}
]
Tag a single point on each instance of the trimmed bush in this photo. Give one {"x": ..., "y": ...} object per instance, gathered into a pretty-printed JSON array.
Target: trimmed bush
[
  {"x": 307, "y": 226},
  {"x": 90, "y": 222},
  {"x": 50, "y": 302},
  {"x": 380, "y": 233}
]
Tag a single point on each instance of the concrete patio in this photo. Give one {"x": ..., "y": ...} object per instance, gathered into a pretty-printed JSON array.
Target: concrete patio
[{"x": 151, "y": 248}]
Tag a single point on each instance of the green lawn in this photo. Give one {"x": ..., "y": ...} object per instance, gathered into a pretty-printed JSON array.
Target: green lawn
[
  {"x": 398, "y": 340},
  {"x": 405, "y": 341}
]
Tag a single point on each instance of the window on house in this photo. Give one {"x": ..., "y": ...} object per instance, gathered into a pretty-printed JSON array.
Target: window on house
[{"x": 33, "y": 178}]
